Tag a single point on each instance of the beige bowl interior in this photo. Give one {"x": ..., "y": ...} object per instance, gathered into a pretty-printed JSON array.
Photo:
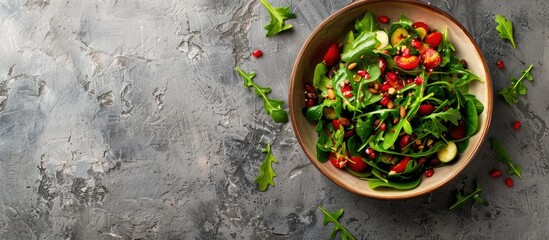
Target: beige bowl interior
[{"x": 333, "y": 29}]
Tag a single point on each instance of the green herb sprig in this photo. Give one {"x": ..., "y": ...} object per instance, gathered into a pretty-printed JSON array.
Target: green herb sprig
[
  {"x": 278, "y": 15},
  {"x": 460, "y": 199},
  {"x": 505, "y": 29},
  {"x": 266, "y": 171},
  {"x": 512, "y": 92},
  {"x": 503, "y": 156},
  {"x": 333, "y": 218},
  {"x": 272, "y": 106}
]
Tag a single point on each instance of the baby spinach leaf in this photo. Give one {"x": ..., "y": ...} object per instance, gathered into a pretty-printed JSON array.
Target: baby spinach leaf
[
  {"x": 266, "y": 172},
  {"x": 517, "y": 87},
  {"x": 462, "y": 145},
  {"x": 505, "y": 29},
  {"x": 367, "y": 24},
  {"x": 364, "y": 129},
  {"x": 333, "y": 218},
  {"x": 471, "y": 118},
  {"x": 503, "y": 156},
  {"x": 314, "y": 113},
  {"x": 460, "y": 199},
  {"x": 376, "y": 183},
  {"x": 348, "y": 40},
  {"x": 320, "y": 73},
  {"x": 278, "y": 15},
  {"x": 478, "y": 105},
  {"x": 272, "y": 106},
  {"x": 353, "y": 144}
]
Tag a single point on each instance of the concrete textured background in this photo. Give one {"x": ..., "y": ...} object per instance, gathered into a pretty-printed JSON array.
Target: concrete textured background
[{"x": 126, "y": 120}]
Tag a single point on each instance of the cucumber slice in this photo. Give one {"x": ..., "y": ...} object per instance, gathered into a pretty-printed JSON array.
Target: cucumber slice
[
  {"x": 448, "y": 153},
  {"x": 383, "y": 39}
]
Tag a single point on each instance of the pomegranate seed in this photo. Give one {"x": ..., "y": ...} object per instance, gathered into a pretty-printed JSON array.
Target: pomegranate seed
[
  {"x": 422, "y": 160},
  {"x": 383, "y": 19},
  {"x": 391, "y": 76},
  {"x": 406, "y": 52},
  {"x": 367, "y": 76},
  {"x": 501, "y": 64},
  {"x": 409, "y": 80},
  {"x": 372, "y": 155},
  {"x": 385, "y": 87},
  {"x": 429, "y": 172},
  {"x": 517, "y": 125},
  {"x": 434, "y": 161},
  {"x": 361, "y": 73},
  {"x": 509, "y": 182},
  {"x": 418, "y": 80},
  {"x": 309, "y": 88},
  {"x": 383, "y": 126},
  {"x": 257, "y": 53},
  {"x": 495, "y": 173},
  {"x": 310, "y": 102},
  {"x": 385, "y": 101},
  {"x": 369, "y": 150},
  {"x": 416, "y": 43}
]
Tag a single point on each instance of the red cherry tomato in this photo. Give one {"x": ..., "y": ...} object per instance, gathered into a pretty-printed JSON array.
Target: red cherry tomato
[
  {"x": 430, "y": 58},
  {"x": 434, "y": 39},
  {"x": 407, "y": 63},
  {"x": 458, "y": 132},
  {"x": 421, "y": 25},
  {"x": 401, "y": 166},
  {"x": 337, "y": 160},
  {"x": 332, "y": 55},
  {"x": 357, "y": 164},
  {"x": 426, "y": 109}
]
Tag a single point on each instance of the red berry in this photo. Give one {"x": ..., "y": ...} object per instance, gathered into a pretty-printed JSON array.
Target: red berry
[
  {"x": 509, "y": 182},
  {"x": 429, "y": 172},
  {"x": 418, "y": 80},
  {"x": 501, "y": 64},
  {"x": 495, "y": 173},
  {"x": 257, "y": 53},
  {"x": 517, "y": 125},
  {"x": 383, "y": 19}
]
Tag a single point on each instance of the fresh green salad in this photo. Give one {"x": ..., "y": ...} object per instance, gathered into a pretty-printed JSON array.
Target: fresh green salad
[{"x": 391, "y": 102}]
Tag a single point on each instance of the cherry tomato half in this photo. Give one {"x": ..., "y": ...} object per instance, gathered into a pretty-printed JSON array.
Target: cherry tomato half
[
  {"x": 430, "y": 58},
  {"x": 401, "y": 166},
  {"x": 407, "y": 63},
  {"x": 357, "y": 164},
  {"x": 434, "y": 39},
  {"x": 337, "y": 160}
]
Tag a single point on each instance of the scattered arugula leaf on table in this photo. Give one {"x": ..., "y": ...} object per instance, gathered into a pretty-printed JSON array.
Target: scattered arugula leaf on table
[
  {"x": 503, "y": 156},
  {"x": 460, "y": 199},
  {"x": 272, "y": 106},
  {"x": 505, "y": 29},
  {"x": 333, "y": 218},
  {"x": 266, "y": 171},
  {"x": 278, "y": 15},
  {"x": 517, "y": 87}
]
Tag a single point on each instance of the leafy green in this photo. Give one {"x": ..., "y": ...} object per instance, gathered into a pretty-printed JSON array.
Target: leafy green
[
  {"x": 471, "y": 118},
  {"x": 320, "y": 73},
  {"x": 375, "y": 183},
  {"x": 333, "y": 218},
  {"x": 278, "y": 15},
  {"x": 272, "y": 106},
  {"x": 517, "y": 87},
  {"x": 453, "y": 115},
  {"x": 266, "y": 172},
  {"x": 367, "y": 24},
  {"x": 460, "y": 199},
  {"x": 503, "y": 156},
  {"x": 505, "y": 29}
]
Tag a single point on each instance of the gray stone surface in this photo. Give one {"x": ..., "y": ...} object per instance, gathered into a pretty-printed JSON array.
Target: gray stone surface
[{"x": 125, "y": 120}]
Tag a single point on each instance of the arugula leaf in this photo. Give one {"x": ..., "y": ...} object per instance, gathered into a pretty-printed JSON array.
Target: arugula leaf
[
  {"x": 278, "y": 15},
  {"x": 272, "y": 106},
  {"x": 368, "y": 23},
  {"x": 505, "y": 29},
  {"x": 460, "y": 199},
  {"x": 453, "y": 115},
  {"x": 503, "y": 156},
  {"x": 333, "y": 218},
  {"x": 517, "y": 87},
  {"x": 266, "y": 172}
]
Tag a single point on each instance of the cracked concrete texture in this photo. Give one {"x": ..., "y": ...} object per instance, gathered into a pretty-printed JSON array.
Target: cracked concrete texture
[{"x": 126, "y": 120}]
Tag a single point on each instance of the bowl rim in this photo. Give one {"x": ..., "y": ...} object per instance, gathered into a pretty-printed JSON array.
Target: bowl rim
[{"x": 406, "y": 194}]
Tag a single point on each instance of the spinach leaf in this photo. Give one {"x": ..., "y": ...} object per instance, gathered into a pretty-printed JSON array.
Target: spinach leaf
[
  {"x": 376, "y": 183},
  {"x": 367, "y": 24},
  {"x": 471, "y": 118},
  {"x": 278, "y": 15},
  {"x": 478, "y": 105},
  {"x": 364, "y": 129},
  {"x": 320, "y": 73},
  {"x": 315, "y": 113}
]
